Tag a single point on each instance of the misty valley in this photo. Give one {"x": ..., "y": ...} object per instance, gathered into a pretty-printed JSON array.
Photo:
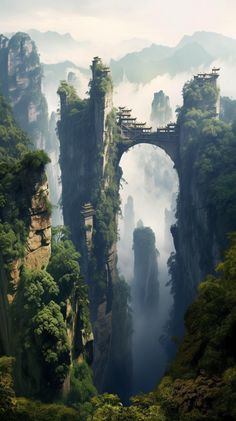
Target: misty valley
[{"x": 117, "y": 230}]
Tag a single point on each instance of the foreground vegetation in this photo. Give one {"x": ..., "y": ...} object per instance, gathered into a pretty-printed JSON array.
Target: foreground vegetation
[
  {"x": 46, "y": 303},
  {"x": 200, "y": 384}
]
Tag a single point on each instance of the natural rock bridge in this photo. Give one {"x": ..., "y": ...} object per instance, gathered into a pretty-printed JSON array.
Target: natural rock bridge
[{"x": 167, "y": 138}]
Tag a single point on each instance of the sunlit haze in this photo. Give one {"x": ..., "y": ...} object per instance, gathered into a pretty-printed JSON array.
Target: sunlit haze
[{"x": 104, "y": 24}]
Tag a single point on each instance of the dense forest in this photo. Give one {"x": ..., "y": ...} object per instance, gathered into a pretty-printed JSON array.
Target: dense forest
[{"x": 42, "y": 303}]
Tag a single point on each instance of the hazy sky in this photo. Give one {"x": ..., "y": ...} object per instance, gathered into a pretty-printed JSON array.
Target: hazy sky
[{"x": 163, "y": 21}]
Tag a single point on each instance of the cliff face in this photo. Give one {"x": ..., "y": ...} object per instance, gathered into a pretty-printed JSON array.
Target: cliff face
[
  {"x": 90, "y": 197},
  {"x": 25, "y": 224},
  {"x": 37, "y": 252},
  {"x": 43, "y": 302},
  {"x": 20, "y": 80},
  {"x": 161, "y": 110},
  {"x": 199, "y": 239},
  {"x": 39, "y": 238},
  {"x": 84, "y": 142}
]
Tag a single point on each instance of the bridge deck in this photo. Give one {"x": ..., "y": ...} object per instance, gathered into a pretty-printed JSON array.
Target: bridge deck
[
  {"x": 133, "y": 133},
  {"x": 139, "y": 135}
]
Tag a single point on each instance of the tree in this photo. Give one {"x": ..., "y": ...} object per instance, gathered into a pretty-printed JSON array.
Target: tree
[{"x": 50, "y": 338}]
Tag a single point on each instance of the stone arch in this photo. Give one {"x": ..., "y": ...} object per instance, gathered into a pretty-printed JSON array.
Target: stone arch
[{"x": 133, "y": 133}]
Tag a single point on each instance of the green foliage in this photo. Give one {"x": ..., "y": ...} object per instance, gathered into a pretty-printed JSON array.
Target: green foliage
[
  {"x": 216, "y": 170},
  {"x": 40, "y": 310},
  {"x": 108, "y": 199},
  {"x": 64, "y": 268},
  {"x": 82, "y": 388},
  {"x": 102, "y": 82},
  {"x": 46, "y": 297},
  {"x": 39, "y": 289},
  {"x": 105, "y": 221},
  {"x": 20, "y": 171},
  {"x": 34, "y": 161},
  {"x": 29, "y": 410},
  {"x": 42, "y": 339},
  {"x": 13, "y": 141},
  {"x": 7, "y": 394},
  {"x": 11, "y": 246},
  {"x": 228, "y": 109},
  {"x": 13, "y": 408},
  {"x": 209, "y": 148},
  {"x": 67, "y": 90},
  {"x": 201, "y": 384},
  {"x": 76, "y": 107},
  {"x": 192, "y": 399},
  {"x": 50, "y": 338},
  {"x": 108, "y": 407},
  {"x": 200, "y": 96}
]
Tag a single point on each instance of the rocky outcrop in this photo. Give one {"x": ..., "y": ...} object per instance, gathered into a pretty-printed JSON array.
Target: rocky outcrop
[
  {"x": 85, "y": 154},
  {"x": 161, "y": 110},
  {"x": 145, "y": 298},
  {"x": 145, "y": 284},
  {"x": 37, "y": 255},
  {"x": 198, "y": 250},
  {"x": 79, "y": 151},
  {"x": 20, "y": 80},
  {"x": 39, "y": 238},
  {"x": 74, "y": 80},
  {"x": 38, "y": 243},
  {"x": 91, "y": 176}
]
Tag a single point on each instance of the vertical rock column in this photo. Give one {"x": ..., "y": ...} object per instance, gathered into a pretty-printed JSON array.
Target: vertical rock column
[{"x": 21, "y": 79}]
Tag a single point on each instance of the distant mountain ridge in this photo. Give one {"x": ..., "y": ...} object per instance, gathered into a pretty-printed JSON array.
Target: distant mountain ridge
[
  {"x": 200, "y": 49},
  {"x": 193, "y": 52},
  {"x": 217, "y": 45},
  {"x": 52, "y": 38}
]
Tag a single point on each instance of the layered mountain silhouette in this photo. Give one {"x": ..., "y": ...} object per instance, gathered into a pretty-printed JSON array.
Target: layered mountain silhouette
[{"x": 199, "y": 49}]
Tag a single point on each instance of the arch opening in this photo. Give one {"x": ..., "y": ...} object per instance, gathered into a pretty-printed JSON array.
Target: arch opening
[{"x": 148, "y": 199}]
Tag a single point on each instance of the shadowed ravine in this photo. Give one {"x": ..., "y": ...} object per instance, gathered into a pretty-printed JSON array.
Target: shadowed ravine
[{"x": 143, "y": 255}]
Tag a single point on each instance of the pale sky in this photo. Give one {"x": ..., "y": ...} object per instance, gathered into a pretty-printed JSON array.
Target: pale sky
[{"x": 160, "y": 21}]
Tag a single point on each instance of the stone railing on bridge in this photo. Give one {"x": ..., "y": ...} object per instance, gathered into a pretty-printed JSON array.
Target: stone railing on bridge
[
  {"x": 132, "y": 130},
  {"x": 134, "y": 133}
]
